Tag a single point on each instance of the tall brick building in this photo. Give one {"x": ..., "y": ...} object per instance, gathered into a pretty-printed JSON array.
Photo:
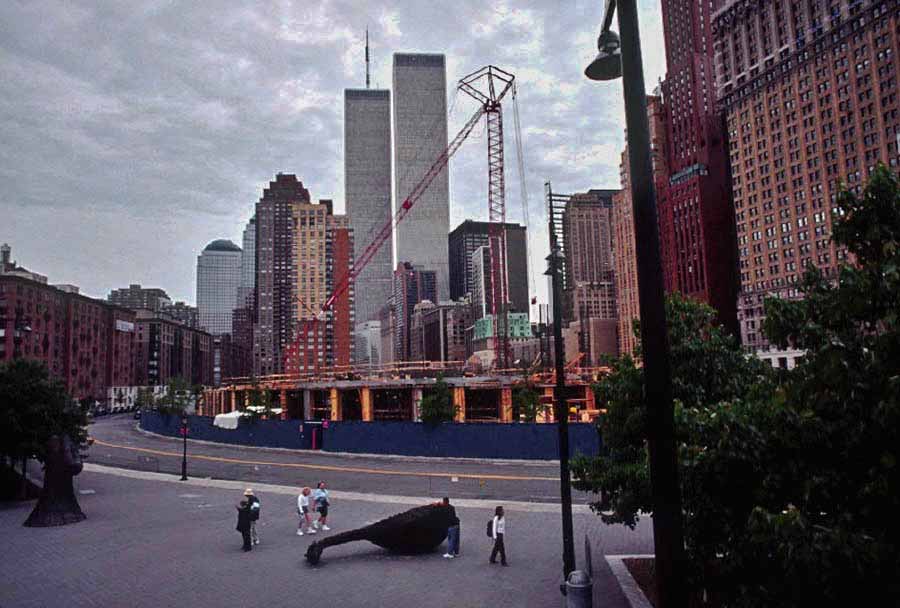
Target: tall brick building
[
  {"x": 624, "y": 252},
  {"x": 810, "y": 96},
  {"x": 85, "y": 343},
  {"x": 276, "y": 272},
  {"x": 695, "y": 218}
]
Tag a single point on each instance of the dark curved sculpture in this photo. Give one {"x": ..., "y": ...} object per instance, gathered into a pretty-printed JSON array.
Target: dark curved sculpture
[
  {"x": 419, "y": 530},
  {"x": 57, "y": 505}
]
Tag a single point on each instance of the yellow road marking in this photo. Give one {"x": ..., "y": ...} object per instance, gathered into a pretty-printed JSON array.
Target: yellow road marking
[{"x": 326, "y": 467}]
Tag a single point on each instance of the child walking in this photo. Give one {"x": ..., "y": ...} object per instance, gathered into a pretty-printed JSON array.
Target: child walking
[{"x": 303, "y": 513}]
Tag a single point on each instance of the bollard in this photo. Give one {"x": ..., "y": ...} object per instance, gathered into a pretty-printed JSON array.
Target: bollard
[{"x": 579, "y": 590}]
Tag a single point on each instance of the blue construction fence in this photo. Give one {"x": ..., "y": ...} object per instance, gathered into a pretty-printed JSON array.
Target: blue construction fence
[{"x": 514, "y": 441}]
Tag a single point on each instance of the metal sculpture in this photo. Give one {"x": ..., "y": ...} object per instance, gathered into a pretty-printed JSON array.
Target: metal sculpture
[{"x": 419, "y": 530}]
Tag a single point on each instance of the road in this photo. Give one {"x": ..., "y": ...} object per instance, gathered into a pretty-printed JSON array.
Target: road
[{"x": 119, "y": 443}]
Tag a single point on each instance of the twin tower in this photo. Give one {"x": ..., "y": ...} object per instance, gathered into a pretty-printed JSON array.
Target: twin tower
[{"x": 419, "y": 137}]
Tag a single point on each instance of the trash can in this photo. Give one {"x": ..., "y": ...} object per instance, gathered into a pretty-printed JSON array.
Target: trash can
[{"x": 579, "y": 590}]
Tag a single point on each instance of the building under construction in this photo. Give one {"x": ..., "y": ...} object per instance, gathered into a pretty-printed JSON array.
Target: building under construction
[{"x": 395, "y": 392}]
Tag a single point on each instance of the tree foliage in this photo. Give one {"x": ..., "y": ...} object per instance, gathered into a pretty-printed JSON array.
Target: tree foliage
[
  {"x": 176, "y": 398},
  {"x": 34, "y": 407},
  {"x": 437, "y": 404},
  {"x": 790, "y": 484}
]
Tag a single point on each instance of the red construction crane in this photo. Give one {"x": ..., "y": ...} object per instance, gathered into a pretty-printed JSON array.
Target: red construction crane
[
  {"x": 498, "y": 83},
  {"x": 488, "y": 86}
]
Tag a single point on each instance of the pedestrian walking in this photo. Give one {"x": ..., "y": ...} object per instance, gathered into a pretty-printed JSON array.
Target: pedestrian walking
[
  {"x": 498, "y": 530},
  {"x": 243, "y": 523},
  {"x": 452, "y": 532},
  {"x": 303, "y": 513},
  {"x": 254, "y": 514},
  {"x": 320, "y": 497}
]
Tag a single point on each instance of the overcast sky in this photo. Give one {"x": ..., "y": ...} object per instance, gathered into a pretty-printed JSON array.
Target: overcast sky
[{"x": 133, "y": 133}]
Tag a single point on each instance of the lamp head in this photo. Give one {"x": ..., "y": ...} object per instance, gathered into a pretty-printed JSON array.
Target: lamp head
[{"x": 608, "y": 64}]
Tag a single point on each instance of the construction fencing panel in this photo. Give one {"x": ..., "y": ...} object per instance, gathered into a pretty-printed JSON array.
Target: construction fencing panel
[
  {"x": 260, "y": 433},
  {"x": 514, "y": 441}
]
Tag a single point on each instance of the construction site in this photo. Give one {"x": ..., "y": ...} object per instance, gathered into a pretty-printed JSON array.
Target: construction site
[
  {"x": 482, "y": 386},
  {"x": 394, "y": 393}
]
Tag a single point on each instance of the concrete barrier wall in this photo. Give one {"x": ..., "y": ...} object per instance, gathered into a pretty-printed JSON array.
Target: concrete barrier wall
[
  {"x": 518, "y": 441},
  {"x": 262, "y": 433}
]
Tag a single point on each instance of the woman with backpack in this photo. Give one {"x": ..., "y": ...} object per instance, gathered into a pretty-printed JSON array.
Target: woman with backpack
[{"x": 497, "y": 530}]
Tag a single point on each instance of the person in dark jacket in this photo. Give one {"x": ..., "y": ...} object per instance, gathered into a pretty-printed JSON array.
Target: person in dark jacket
[
  {"x": 243, "y": 523},
  {"x": 254, "y": 514},
  {"x": 452, "y": 532}
]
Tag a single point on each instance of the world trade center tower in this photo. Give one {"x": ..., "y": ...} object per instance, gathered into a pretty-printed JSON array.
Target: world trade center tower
[
  {"x": 367, "y": 184},
  {"x": 420, "y": 136}
]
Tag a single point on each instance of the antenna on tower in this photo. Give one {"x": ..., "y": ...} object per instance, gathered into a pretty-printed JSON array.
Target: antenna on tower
[{"x": 367, "y": 58}]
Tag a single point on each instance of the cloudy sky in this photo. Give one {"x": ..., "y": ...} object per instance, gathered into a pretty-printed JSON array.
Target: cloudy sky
[{"x": 133, "y": 133}]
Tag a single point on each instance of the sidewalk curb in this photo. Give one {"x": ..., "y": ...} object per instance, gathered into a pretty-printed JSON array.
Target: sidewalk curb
[
  {"x": 238, "y": 485},
  {"x": 629, "y": 586},
  {"x": 354, "y": 455}
]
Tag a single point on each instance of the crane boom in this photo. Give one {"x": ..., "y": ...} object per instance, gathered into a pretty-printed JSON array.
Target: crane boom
[{"x": 293, "y": 354}]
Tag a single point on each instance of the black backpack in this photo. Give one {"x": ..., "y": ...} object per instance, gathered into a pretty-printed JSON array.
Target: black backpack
[{"x": 490, "y": 528}]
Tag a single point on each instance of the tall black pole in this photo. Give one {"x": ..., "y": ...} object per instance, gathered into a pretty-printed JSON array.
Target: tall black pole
[
  {"x": 562, "y": 411},
  {"x": 184, "y": 429},
  {"x": 668, "y": 532}
]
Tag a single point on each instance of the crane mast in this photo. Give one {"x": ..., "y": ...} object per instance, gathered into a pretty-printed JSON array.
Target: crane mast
[{"x": 488, "y": 86}]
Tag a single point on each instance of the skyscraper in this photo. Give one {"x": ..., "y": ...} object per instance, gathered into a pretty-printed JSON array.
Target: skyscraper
[
  {"x": 695, "y": 218},
  {"x": 587, "y": 246},
  {"x": 809, "y": 92},
  {"x": 420, "y": 136},
  {"x": 623, "y": 239},
  {"x": 590, "y": 290},
  {"x": 469, "y": 236},
  {"x": 367, "y": 186},
  {"x": 411, "y": 286},
  {"x": 218, "y": 279},
  {"x": 323, "y": 255},
  {"x": 248, "y": 265},
  {"x": 276, "y": 272}
]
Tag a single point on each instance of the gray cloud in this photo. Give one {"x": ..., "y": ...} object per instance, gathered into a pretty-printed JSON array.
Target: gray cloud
[{"x": 132, "y": 134}]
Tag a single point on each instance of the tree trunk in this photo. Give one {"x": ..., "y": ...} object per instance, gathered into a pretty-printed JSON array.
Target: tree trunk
[{"x": 57, "y": 505}]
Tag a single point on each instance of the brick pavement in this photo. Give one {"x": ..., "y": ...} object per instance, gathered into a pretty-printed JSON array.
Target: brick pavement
[{"x": 164, "y": 543}]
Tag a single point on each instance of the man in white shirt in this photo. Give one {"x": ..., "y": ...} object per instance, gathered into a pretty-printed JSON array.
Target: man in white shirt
[{"x": 499, "y": 529}]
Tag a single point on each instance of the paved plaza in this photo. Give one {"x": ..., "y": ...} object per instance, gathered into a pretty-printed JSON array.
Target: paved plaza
[{"x": 151, "y": 540}]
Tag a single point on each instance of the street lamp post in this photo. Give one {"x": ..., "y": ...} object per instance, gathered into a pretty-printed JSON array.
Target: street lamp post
[
  {"x": 184, "y": 432},
  {"x": 668, "y": 532},
  {"x": 559, "y": 398}
]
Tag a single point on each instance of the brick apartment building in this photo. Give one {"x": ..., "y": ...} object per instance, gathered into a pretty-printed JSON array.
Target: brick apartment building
[
  {"x": 624, "y": 252},
  {"x": 695, "y": 214},
  {"x": 165, "y": 349},
  {"x": 811, "y": 101},
  {"x": 85, "y": 343}
]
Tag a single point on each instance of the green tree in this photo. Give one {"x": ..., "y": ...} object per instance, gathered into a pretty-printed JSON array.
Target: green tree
[
  {"x": 259, "y": 399},
  {"x": 437, "y": 404},
  {"x": 527, "y": 402},
  {"x": 791, "y": 486},
  {"x": 34, "y": 407},
  {"x": 144, "y": 399},
  {"x": 175, "y": 399}
]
